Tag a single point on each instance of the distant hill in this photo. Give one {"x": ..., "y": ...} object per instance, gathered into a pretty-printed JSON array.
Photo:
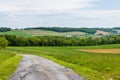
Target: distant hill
[
  {"x": 99, "y": 32},
  {"x": 85, "y": 30},
  {"x": 39, "y": 32},
  {"x": 29, "y": 33},
  {"x": 57, "y": 31}
]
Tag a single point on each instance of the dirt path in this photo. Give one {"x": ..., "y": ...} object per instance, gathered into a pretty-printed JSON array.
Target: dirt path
[{"x": 38, "y": 68}]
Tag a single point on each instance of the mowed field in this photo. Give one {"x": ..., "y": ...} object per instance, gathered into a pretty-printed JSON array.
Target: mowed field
[{"x": 90, "y": 64}]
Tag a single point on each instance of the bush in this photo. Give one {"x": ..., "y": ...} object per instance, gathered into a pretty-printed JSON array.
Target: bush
[{"x": 3, "y": 42}]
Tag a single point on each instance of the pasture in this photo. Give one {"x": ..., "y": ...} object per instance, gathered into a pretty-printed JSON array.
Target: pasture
[{"x": 91, "y": 65}]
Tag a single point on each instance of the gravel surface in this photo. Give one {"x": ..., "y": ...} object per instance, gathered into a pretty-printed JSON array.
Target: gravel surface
[{"x": 37, "y": 68}]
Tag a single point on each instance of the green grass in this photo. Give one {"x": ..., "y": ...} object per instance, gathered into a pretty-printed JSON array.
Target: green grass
[
  {"x": 8, "y": 63},
  {"x": 16, "y": 32},
  {"x": 90, "y": 65}
]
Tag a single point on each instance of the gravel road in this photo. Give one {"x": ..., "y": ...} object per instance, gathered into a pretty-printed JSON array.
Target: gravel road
[{"x": 37, "y": 68}]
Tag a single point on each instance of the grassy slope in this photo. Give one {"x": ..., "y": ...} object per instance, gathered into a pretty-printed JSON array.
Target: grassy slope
[
  {"x": 8, "y": 63},
  {"x": 16, "y": 32},
  {"x": 29, "y": 33},
  {"x": 90, "y": 65},
  {"x": 51, "y": 33}
]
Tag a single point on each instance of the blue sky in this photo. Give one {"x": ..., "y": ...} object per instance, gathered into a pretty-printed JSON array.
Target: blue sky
[{"x": 61, "y": 13}]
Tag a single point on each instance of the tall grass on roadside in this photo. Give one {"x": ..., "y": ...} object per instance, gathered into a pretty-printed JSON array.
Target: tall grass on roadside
[
  {"x": 4, "y": 55},
  {"x": 8, "y": 64}
]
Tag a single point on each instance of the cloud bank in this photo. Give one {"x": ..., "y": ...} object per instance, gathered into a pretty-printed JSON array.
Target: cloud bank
[{"x": 69, "y": 13}]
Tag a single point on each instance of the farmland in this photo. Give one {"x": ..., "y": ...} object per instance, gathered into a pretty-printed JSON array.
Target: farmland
[
  {"x": 29, "y": 33},
  {"x": 15, "y": 32},
  {"x": 88, "y": 64},
  {"x": 51, "y": 33}
]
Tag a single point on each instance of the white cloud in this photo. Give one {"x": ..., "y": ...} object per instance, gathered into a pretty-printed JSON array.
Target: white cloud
[
  {"x": 56, "y": 12},
  {"x": 43, "y": 4}
]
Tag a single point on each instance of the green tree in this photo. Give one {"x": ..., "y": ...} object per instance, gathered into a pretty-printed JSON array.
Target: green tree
[{"x": 3, "y": 42}]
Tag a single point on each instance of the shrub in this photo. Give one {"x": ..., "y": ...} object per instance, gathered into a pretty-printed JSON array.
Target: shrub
[{"x": 3, "y": 42}]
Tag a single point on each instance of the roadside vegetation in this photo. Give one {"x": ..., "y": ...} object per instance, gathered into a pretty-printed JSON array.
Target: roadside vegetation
[
  {"x": 3, "y": 42},
  {"x": 8, "y": 60},
  {"x": 8, "y": 63},
  {"x": 91, "y": 65}
]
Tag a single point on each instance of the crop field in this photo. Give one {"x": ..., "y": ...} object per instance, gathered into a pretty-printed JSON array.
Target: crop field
[
  {"x": 8, "y": 63},
  {"x": 91, "y": 65}
]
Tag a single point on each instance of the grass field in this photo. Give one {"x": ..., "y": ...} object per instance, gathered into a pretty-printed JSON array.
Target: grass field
[
  {"x": 8, "y": 63},
  {"x": 88, "y": 64},
  {"x": 16, "y": 32}
]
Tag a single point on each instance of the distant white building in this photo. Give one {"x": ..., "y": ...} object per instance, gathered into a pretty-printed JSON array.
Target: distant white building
[{"x": 69, "y": 36}]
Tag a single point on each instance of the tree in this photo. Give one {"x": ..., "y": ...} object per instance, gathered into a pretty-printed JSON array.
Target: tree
[
  {"x": 4, "y": 29},
  {"x": 3, "y": 42}
]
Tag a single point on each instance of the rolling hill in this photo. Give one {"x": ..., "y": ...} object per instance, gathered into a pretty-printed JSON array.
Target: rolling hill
[
  {"x": 56, "y": 31},
  {"x": 29, "y": 33}
]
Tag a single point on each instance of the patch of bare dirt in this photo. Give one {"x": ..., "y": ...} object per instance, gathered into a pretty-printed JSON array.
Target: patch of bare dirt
[
  {"x": 102, "y": 50},
  {"x": 102, "y": 32}
]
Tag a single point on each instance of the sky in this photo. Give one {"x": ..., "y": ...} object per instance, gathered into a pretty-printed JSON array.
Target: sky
[{"x": 59, "y": 13}]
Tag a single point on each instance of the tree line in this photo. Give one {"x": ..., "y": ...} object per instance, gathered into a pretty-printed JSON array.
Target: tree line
[
  {"x": 60, "y": 41},
  {"x": 65, "y": 29},
  {"x": 4, "y": 29}
]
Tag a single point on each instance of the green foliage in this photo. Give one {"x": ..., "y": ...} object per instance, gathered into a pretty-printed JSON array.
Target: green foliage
[
  {"x": 90, "y": 65},
  {"x": 116, "y": 28},
  {"x": 3, "y": 42},
  {"x": 58, "y": 29},
  {"x": 61, "y": 41},
  {"x": 4, "y": 55},
  {"x": 8, "y": 63},
  {"x": 4, "y": 29}
]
